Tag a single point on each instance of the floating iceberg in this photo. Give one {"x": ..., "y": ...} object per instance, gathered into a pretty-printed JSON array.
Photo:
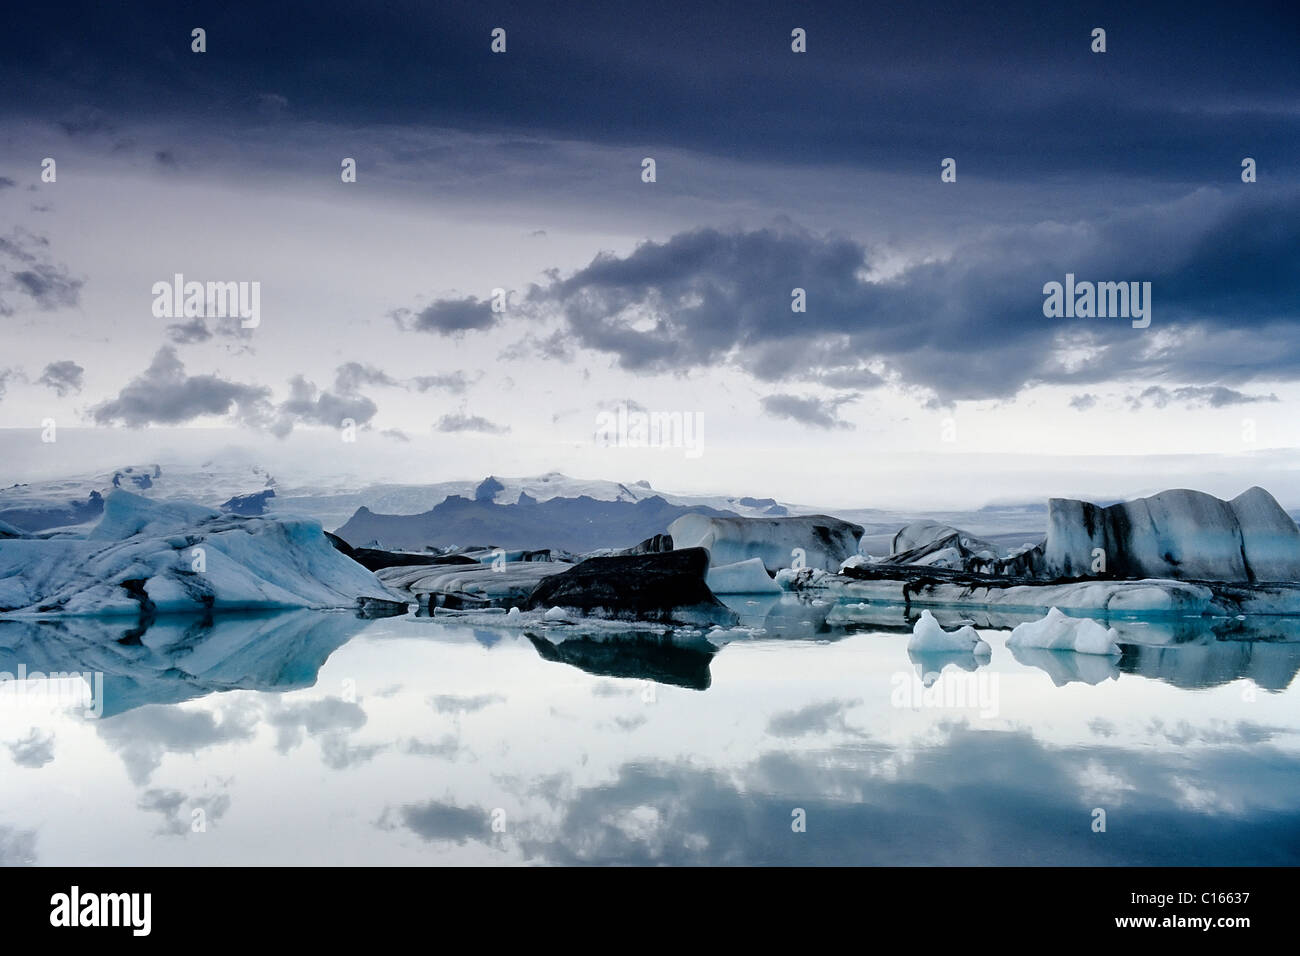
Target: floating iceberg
[
  {"x": 814, "y": 541},
  {"x": 928, "y": 636},
  {"x": 743, "y": 577},
  {"x": 1056, "y": 632},
  {"x": 1179, "y": 534},
  {"x": 149, "y": 557}
]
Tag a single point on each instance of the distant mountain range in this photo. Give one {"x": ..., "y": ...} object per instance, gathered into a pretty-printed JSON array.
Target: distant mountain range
[
  {"x": 571, "y": 524},
  {"x": 547, "y": 510}
]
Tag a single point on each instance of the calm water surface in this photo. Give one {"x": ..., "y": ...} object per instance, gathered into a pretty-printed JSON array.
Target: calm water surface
[{"x": 324, "y": 739}]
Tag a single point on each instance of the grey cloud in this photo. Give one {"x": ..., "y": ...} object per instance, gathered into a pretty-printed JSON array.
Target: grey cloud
[
  {"x": 164, "y": 394},
  {"x": 447, "y": 747},
  {"x": 64, "y": 377},
  {"x": 308, "y": 404},
  {"x": 1196, "y": 396},
  {"x": 808, "y": 410},
  {"x": 1083, "y": 402},
  {"x": 143, "y": 736},
  {"x": 28, "y": 277},
  {"x": 6, "y": 183},
  {"x": 35, "y": 750},
  {"x": 967, "y": 326},
  {"x": 462, "y": 422},
  {"x": 17, "y": 847},
  {"x": 350, "y": 376},
  {"x": 188, "y": 333},
  {"x": 456, "y": 382},
  {"x": 177, "y": 809},
  {"x": 449, "y": 316},
  {"x": 339, "y": 753},
  {"x": 330, "y": 715},
  {"x": 438, "y": 822},
  {"x": 454, "y": 704},
  {"x": 396, "y": 434},
  {"x": 819, "y": 718}
]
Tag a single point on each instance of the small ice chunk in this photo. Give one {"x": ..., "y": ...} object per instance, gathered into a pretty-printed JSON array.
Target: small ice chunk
[
  {"x": 1057, "y": 632},
  {"x": 557, "y": 615},
  {"x": 927, "y": 635}
]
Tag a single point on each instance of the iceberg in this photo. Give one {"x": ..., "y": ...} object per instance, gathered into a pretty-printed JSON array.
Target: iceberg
[
  {"x": 667, "y": 588},
  {"x": 928, "y": 636},
  {"x": 148, "y": 557},
  {"x": 815, "y": 541},
  {"x": 1056, "y": 632},
  {"x": 743, "y": 577},
  {"x": 1177, "y": 534}
]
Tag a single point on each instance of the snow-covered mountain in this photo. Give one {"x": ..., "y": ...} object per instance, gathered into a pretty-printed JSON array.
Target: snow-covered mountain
[
  {"x": 331, "y": 500},
  {"x": 242, "y": 486}
]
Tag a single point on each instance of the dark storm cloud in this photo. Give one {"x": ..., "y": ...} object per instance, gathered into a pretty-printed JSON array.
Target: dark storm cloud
[
  {"x": 29, "y": 278},
  {"x": 449, "y": 316},
  {"x": 64, "y": 377},
  {"x": 165, "y": 395},
  {"x": 1012, "y": 90},
  {"x": 1224, "y": 305},
  {"x": 808, "y": 410}
]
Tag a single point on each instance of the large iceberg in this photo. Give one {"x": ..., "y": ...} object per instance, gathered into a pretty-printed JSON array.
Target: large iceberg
[
  {"x": 1178, "y": 534},
  {"x": 814, "y": 541},
  {"x": 149, "y": 557}
]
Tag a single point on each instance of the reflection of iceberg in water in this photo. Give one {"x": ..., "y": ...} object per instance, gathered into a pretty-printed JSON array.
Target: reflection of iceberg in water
[
  {"x": 180, "y": 658},
  {"x": 1207, "y": 662},
  {"x": 930, "y": 664},
  {"x": 790, "y": 616},
  {"x": 654, "y": 657},
  {"x": 1068, "y": 667}
]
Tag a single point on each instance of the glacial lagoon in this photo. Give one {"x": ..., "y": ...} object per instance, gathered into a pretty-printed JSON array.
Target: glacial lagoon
[{"x": 323, "y": 738}]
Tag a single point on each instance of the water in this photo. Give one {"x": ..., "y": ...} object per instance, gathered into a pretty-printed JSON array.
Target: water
[{"x": 310, "y": 738}]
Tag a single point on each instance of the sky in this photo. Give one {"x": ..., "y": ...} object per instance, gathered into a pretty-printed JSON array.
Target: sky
[{"x": 922, "y": 370}]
